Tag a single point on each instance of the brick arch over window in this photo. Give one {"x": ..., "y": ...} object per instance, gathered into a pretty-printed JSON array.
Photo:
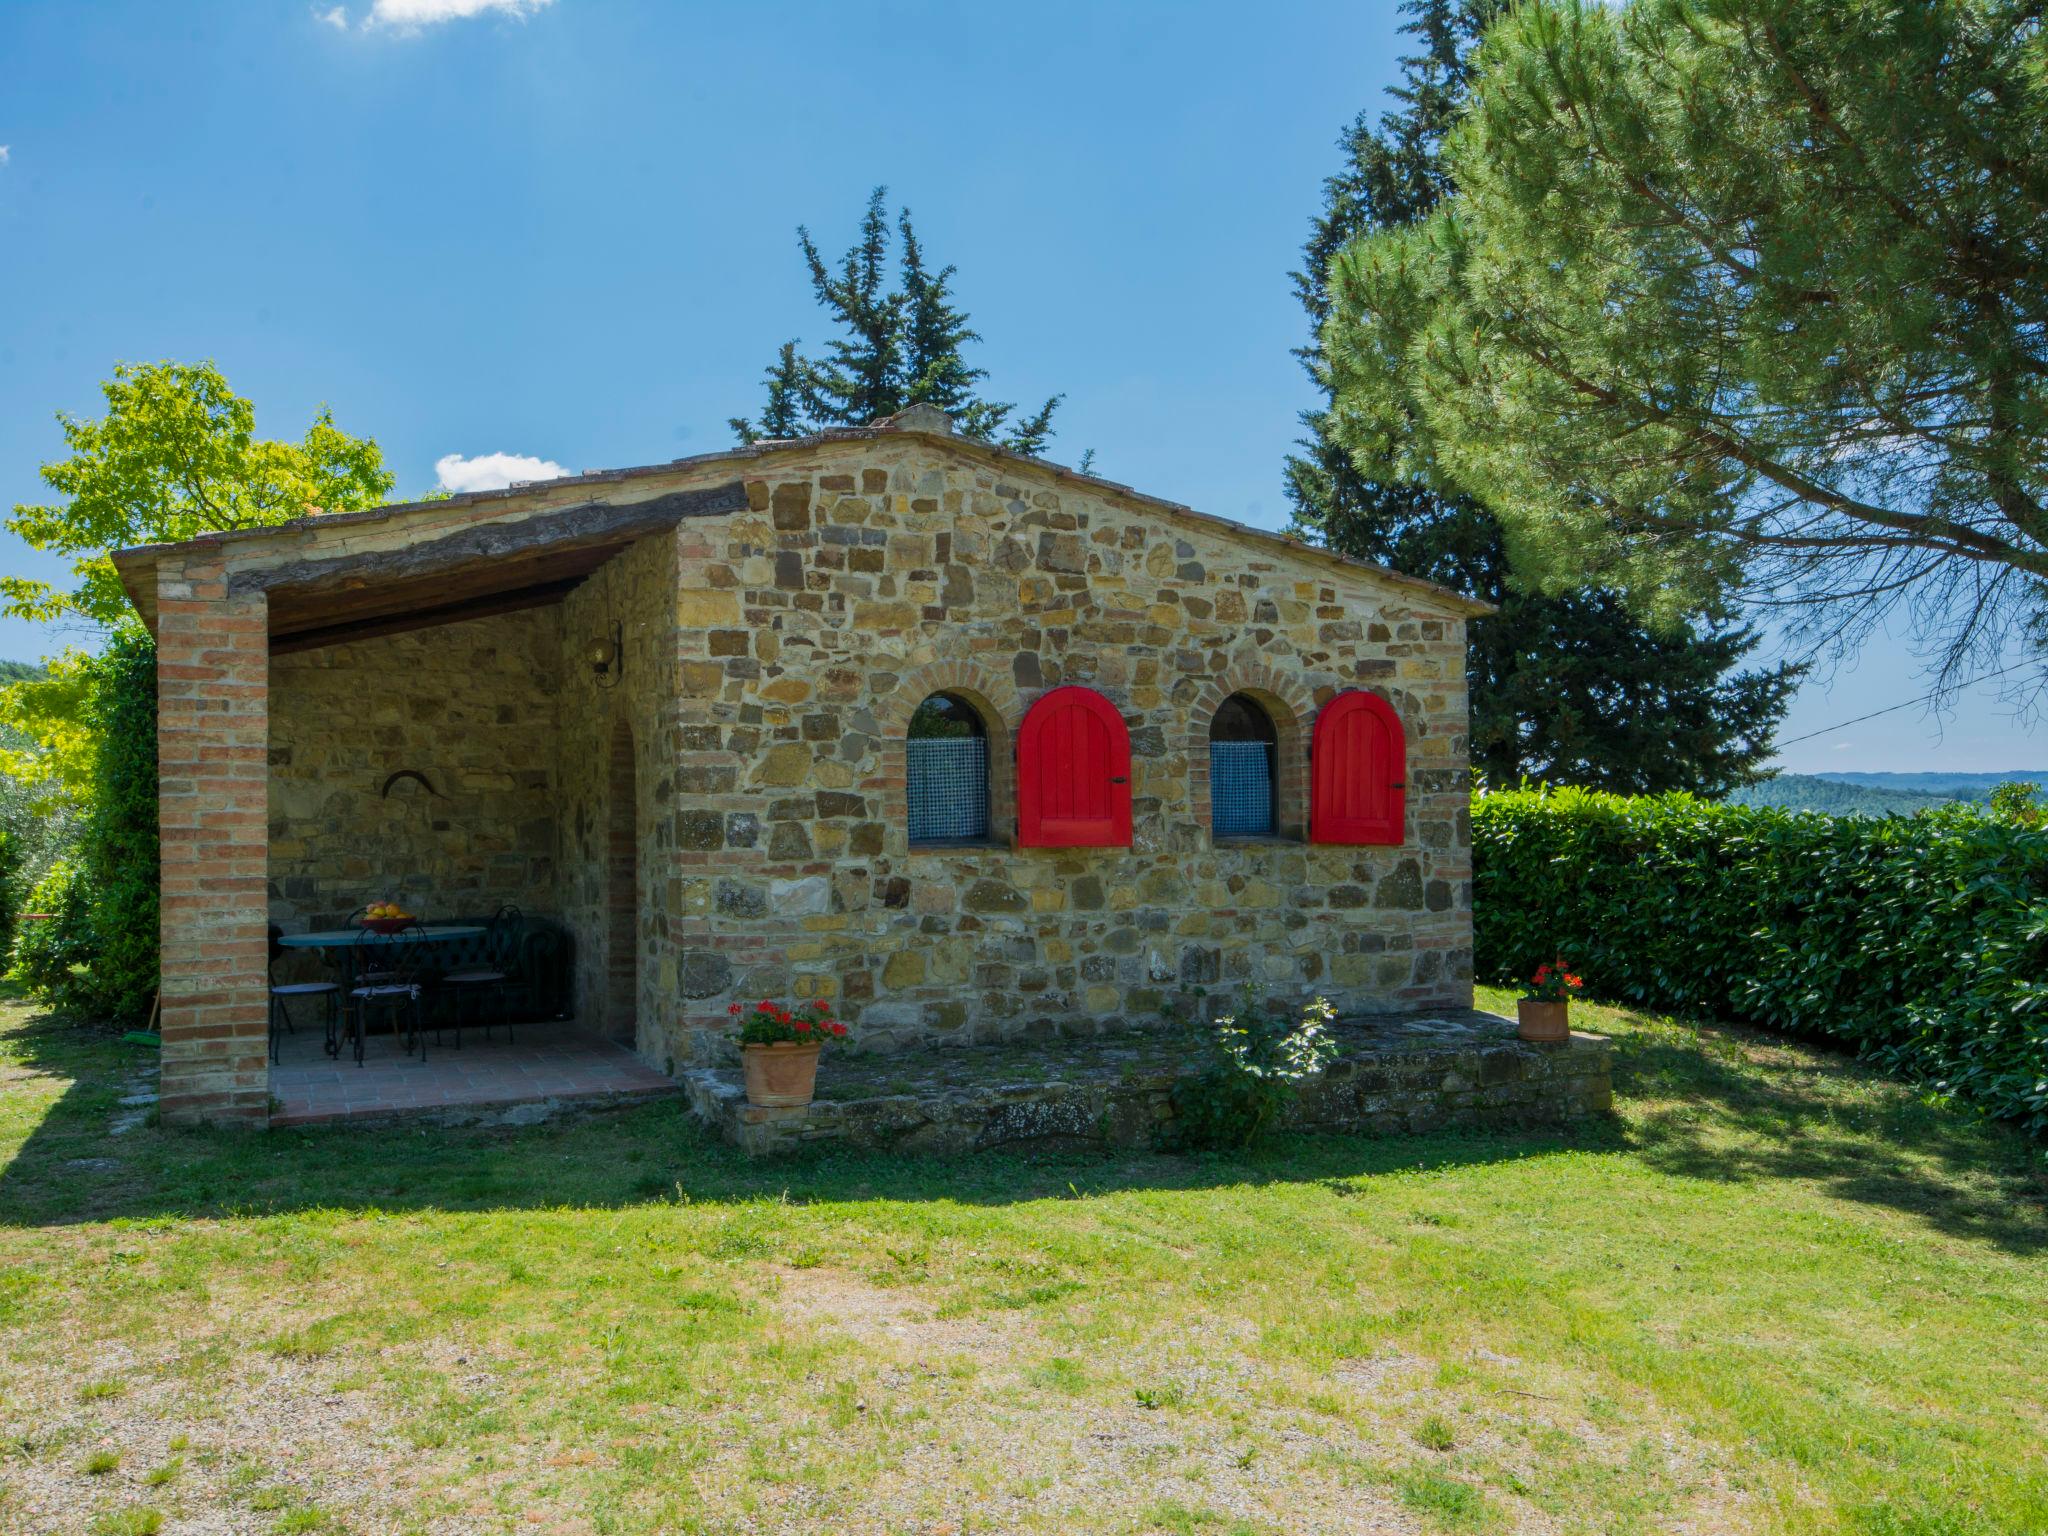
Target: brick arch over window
[
  {"x": 994, "y": 699},
  {"x": 1288, "y": 705}
]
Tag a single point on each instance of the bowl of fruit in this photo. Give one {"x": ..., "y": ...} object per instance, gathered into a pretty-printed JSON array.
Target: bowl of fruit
[{"x": 385, "y": 917}]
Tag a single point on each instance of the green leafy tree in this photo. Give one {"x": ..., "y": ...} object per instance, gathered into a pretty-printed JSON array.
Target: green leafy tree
[
  {"x": 1569, "y": 686},
  {"x": 2016, "y": 800},
  {"x": 35, "y": 824},
  {"x": 175, "y": 456},
  {"x": 1734, "y": 289},
  {"x": 901, "y": 344}
]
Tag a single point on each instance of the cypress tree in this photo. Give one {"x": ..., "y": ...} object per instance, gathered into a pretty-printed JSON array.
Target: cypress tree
[
  {"x": 899, "y": 346},
  {"x": 1568, "y": 688}
]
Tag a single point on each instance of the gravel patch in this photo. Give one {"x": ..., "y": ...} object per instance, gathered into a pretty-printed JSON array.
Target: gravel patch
[{"x": 270, "y": 1437}]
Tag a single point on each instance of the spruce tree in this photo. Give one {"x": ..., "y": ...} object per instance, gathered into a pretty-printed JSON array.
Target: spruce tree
[
  {"x": 1570, "y": 688},
  {"x": 899, "y": 346}
]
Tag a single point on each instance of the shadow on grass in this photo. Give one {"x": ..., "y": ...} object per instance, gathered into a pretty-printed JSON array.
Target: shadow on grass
[
  {"x": 1718, "y": 1104},
  {"x": 70, "y": 1170},
  {"x": 1733, "y": 1105}
]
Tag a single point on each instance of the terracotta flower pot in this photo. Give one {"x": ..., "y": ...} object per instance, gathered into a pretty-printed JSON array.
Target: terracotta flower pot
[
  {"x": 1544, "y": 1020},
  {"x": 780, "y": 1076}
]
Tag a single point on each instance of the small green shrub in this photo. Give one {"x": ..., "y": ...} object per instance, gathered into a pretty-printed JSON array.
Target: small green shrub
[
  {"x": 1168, "y": 1394},
  {"x": 1436, "y": 1433},
  {"x": 1257, "y": 1058},
  {"x": 1921, "y": 942},
  {"x": 53, "y": 946}
]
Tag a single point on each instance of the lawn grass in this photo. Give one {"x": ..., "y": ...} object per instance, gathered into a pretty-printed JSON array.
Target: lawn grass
[{"x": 1776, "y": 1293}]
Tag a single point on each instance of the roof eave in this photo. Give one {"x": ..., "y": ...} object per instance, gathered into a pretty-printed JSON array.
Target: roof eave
[{"x": 137, "y": 563}]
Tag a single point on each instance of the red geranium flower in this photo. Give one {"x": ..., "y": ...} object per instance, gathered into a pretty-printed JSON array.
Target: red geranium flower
[
  {"x": 771, "y": 1023},
  {"x": 1553, "y": 983}
]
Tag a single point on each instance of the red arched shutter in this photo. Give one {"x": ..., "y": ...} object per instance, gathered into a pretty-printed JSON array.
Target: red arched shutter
[
  {"x": 1073, "y": 773},
  {"x": 1358, "y": 771}
]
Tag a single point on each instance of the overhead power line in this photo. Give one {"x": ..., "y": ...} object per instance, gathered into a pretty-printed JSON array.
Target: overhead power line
[{"x": 1892, "y": 709}]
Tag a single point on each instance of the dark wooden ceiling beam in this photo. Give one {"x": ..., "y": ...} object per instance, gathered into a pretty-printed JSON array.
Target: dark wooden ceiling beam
[
  {"x": 486, "y": 606},
  {"x": 293, "y": 610}
]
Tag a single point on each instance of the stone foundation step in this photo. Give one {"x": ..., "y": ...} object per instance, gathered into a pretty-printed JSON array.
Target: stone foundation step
[{"x": 1398, "y": 1073}]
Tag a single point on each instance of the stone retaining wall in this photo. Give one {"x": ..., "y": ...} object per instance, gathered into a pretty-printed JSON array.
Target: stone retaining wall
[{"x": 1461, "y": 1072}]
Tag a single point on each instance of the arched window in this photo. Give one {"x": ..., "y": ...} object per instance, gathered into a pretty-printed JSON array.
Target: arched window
[
  {"x": 1244, "y": 764},
  {"x": 1073, "y": 773},
  {"x": 946, "y": 772},
  {"x": 1358, "y": 772}
]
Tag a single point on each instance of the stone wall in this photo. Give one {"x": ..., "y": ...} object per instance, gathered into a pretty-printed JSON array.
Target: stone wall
[
  {"x": 469, "y": 707},
  {"x": 869, "y": 574},
  {"x": 636, "y": 591},
  {"x": 1392, "y": 1076},
  {"x": 751, "y": 755}
]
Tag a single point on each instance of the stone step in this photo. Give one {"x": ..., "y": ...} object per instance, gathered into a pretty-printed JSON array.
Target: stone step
[{"x": 1454, "y": 1069}]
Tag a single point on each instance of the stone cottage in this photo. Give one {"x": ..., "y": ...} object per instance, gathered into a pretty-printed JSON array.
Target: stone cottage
[{"x": 970, "y": 744}]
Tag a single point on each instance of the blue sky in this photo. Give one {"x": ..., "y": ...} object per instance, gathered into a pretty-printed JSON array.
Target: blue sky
[{"x": 565, "y": 230}]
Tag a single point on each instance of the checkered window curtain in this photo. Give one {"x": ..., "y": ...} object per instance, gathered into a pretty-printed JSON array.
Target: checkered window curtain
[
  {"x": 948, "y": 784},
  {"x": 1241, "y": 788}
]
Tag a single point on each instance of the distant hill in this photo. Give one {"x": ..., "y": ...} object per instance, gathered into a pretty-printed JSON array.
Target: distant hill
[
  {"x": 1808, "y": 792},
  {"x": 1877, "y": 794},
  {"x": 1952, "y": 786}
]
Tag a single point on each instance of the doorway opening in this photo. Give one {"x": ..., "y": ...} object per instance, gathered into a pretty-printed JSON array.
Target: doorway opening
[{"x": 622, "y": 895}]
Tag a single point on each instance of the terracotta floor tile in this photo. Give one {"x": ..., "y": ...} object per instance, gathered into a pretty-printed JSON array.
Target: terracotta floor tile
[{"x": 540, "y": 1062}]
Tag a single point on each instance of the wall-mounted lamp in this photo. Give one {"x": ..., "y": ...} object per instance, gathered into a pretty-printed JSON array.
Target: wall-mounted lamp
[{"x": 607, "y": 656}]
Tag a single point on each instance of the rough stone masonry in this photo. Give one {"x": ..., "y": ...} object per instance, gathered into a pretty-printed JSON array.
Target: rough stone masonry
[
  {"x": 720, "y": 815},
  {"x": 787, "y": 649}
]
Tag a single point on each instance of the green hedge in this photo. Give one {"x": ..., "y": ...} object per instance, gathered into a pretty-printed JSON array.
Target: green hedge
[
  {"x": 96, "y": 954},
  {"x": 1921, "y": 941},
  {"x": 117, "y": 846}
]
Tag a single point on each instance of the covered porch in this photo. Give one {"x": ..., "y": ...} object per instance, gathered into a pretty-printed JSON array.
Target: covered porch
[{"x": 454, "y": 706}]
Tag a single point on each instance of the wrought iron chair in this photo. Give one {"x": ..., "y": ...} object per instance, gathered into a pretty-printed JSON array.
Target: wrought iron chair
[
  {"x": 500, "y": 977},
  {"x": 280, "y": 1016},
  {"x": 356, "y": 976},
  {"x": 389, "y": 976}
]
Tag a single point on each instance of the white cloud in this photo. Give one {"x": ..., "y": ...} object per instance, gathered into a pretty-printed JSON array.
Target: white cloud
[
  {"x": 411, "y": 15},
  {"x": 6, "y": 154},
  {"x": 491, "y": 471},
  {"x": 336, "y": 18}
]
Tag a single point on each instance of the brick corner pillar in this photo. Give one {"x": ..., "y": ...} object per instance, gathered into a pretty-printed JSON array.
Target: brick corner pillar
[{"x": 213, "y": 745}]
